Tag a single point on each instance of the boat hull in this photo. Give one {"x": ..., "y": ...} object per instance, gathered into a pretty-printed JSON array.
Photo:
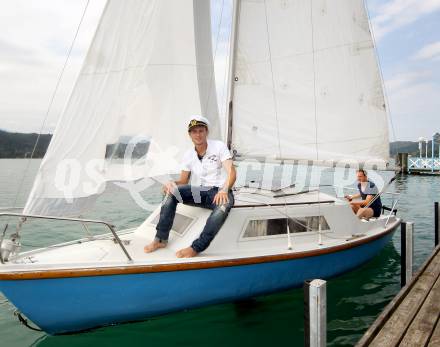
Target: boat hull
[{"x": 60, "y": 305}]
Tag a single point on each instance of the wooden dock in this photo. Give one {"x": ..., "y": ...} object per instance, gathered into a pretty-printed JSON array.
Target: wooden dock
[
  {"x": 412, "y": 318},
  {"x": 424, "y": 172},
  {"x": 418, "y": 165}
]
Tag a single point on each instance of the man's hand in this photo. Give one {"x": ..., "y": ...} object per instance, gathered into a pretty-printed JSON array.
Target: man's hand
[
  {"x": 221, "y": 198},
  {"x": 169, "y": 187}
]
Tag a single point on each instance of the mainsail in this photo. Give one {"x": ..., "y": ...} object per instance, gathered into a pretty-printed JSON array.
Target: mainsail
[
  {"x": 148, "y": 69},
  {"x": 307, "y": 83}
]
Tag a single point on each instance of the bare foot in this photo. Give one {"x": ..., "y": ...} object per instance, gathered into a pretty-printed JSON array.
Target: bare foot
[
  {"x": 188, "y": 252},
  {"x": 154, "y": 246}
]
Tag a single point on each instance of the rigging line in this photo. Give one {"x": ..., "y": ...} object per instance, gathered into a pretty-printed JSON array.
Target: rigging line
[
  {"x": 232, "y": 74},
  {"x": 24, "y": 321},
  {"x": 387, "y": 104},
  {"x": 51, "y": 101},
  {"x": 132, "y": 67},
  {"x": 212, "y": 77},
  {"x": 295, "y": 220},
  {"x": 316, "y": 111},
  {"x": 301, "y": 54},
  {"x": 314, "y": 79},
  {"x": 289, "y": 240},
  {"x": 279, "y": 210},
  {"x": 273, "y": 79},
  {"x": 224, "y": 96}
]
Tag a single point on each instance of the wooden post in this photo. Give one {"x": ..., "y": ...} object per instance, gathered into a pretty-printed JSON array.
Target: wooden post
[
  {"x": 402, "y": 162},
  {"x": 436, "y": 224},
  {"x": 407, "y": 251},
  {"x": 315, "y": 313}
]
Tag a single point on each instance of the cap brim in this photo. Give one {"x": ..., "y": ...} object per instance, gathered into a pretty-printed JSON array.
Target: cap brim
[{"x": 199, "y": 124}]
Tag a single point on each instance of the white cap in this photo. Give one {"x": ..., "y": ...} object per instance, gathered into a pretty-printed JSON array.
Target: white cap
[{"x": 196, "y": 119}]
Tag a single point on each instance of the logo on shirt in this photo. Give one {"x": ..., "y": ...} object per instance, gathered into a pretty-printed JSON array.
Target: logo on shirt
[{"x": 212, "y": 158}]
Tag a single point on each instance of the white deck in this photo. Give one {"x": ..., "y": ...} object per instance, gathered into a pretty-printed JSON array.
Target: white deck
[{"x": 228, "y": 244}]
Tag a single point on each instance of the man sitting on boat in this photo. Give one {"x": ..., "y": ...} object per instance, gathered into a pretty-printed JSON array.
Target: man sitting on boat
[
  {"x": 367, "y": 192},
  {"x": 210, "y": 188}
]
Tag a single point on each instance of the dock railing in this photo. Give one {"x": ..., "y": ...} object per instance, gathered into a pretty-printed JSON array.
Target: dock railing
[{"x": 423, "y": 164}]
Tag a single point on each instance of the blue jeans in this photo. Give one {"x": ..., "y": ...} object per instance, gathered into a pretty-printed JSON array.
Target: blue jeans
[{"x": 196, "y": 196}]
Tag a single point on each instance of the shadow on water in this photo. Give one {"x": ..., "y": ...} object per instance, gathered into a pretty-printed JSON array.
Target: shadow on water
[{"x": 354, "y": 300}]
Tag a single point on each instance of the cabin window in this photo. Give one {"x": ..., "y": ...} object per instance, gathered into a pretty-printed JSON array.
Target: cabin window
[
  {"x": 278, "y": 226},
  {"x": 180, "y": 224}
]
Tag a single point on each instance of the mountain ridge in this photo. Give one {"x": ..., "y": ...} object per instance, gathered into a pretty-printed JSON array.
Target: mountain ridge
[{"x": 20, "y": 145}]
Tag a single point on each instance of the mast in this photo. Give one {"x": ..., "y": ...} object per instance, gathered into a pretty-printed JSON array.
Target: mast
[{"x": 231, "y": 77}]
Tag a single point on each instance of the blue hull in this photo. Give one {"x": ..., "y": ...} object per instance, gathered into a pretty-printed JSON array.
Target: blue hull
[{"x": 74, "y": 304}]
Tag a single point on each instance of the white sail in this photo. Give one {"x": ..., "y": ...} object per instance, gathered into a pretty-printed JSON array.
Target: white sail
[
  {"x": 307, "y": 83},
  {"x": 149, "y": 68}
]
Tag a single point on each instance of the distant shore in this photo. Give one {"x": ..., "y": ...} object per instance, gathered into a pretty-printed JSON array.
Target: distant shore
[{"x": 20, "y": 145}]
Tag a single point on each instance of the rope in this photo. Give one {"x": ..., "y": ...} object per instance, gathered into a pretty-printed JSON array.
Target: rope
[
  {"x": 24, "y": 321},
  {"x": 327, "y": 235},
  {"x": 274, "y": 95},
  {"x": 289, "y": 242},
  {"x": 50, "y": 103},
  {"x": 314, "y": 80},
  {"x": 2, "y": 237},
  {"x": 378, "y": 195},
  {"x": 316, "y": 110},
  {"x": 11, "y": 208},
  {"x": 276, "y": 210},
  {"x": 225, "y": 102}
]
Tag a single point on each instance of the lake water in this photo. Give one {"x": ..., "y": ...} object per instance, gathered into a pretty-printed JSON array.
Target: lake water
[{"x": 354, "y": 299}]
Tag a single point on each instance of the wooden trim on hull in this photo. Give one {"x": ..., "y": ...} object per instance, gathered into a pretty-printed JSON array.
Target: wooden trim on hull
[{"x": 140, "y": 269}]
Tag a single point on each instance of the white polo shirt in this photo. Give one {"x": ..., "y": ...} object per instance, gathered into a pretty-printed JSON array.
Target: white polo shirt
[{"x": 209, "y": 171}]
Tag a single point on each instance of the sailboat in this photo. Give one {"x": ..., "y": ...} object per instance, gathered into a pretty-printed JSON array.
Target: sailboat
[{"x": 304, "y": 84}]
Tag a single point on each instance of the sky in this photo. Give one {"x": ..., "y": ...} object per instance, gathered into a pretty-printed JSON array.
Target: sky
[{"x": 35, "y": 37}]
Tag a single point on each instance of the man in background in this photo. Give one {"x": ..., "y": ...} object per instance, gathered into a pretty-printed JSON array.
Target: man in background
[{"x": 370, "y": 204}]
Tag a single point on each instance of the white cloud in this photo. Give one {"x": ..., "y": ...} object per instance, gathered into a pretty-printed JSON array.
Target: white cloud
[
  {"x": 414, "y": 103},
  {"x": 34, "y": 40},
  {"x": 406, "y": 79},
  {"x": 431, "y": 51},
  {"x": 396, "y": 14},
  {"x": 35, "y": 37}
]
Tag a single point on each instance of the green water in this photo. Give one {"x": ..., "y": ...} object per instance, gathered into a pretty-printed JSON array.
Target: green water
[{"x": 354, "y": 299}]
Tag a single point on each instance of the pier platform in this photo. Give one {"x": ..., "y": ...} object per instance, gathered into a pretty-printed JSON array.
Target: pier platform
[
  {"x": 418, "y": 165},
  {"x": 422, "y": 172},
  {"x": 412, "y": 318}
]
